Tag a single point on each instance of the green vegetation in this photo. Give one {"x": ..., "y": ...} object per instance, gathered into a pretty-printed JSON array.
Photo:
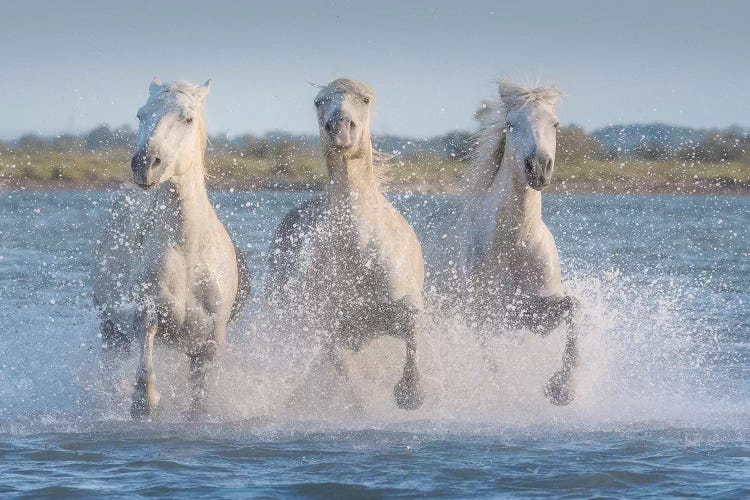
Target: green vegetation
[{"x": 100, "y": 159}]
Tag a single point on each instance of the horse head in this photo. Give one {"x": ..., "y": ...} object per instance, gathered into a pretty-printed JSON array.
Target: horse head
[
  {"x": 531, "y": 131},
  {"x": 344, "y": 108},
  {"x": 171, "y": 132}
]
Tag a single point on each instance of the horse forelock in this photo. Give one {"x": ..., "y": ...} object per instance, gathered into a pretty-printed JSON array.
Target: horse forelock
[
  {"x": 189, "y": 97},
  {"x": 346, "y": 86},
  {"x": 517, "y": 96}
]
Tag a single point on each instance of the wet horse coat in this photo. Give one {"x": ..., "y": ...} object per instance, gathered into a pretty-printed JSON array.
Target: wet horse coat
[
  {"x": 348, "y": 260},
  {"x": 166, "y": 266},
  {"x": 509, "y": 258}
]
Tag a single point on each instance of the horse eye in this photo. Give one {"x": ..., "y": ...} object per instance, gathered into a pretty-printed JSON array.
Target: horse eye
[
  {"x": 367, "y": 99},
  {"x": 189, "y": 120},
  {"x": 557, "y": 125}
]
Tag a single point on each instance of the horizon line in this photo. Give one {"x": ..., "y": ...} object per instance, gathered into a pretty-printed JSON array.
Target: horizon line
[{"x": 12, "y": 137}]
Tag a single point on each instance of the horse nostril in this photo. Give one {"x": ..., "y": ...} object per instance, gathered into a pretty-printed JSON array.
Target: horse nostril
[
  {"x": 328, "y": 127},
  {"x": 352, "y": 125},
  {"x": 529, "y": 165},
  {"x": 157, "y": 161}
]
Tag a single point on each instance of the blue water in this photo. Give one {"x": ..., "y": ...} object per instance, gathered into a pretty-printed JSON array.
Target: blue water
[{"x": 663, "y": 391}]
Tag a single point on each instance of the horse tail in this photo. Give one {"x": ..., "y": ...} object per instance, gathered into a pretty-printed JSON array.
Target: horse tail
[{"x": 243, "y": 285}]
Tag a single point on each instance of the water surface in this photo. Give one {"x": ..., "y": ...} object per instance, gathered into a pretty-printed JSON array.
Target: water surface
[{"x": 663, "y": 391}]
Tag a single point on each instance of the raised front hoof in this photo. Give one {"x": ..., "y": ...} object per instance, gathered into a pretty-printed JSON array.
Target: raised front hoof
[
  {"x": 145, "y": 405},
  {"x": 559, "y": 390},
  {"x": 409, "y": 394}
]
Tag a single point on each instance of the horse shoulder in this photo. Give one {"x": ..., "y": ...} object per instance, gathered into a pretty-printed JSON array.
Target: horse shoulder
[
  {"x": 401, "y": 254},
  {"x": 217, "y": 248},
  {"x": 204, "y": 273},
  {"x": 297, "y": 227},
  {"x": 230, "y": 276},
  {"x": 544, "y": 259}
]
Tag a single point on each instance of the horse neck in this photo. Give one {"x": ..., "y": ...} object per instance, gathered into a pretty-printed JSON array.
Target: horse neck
[
  {"x": 186, "y": 202},
  {"x": 519, "y": 206},
  {"x": 352, "y": 180}
]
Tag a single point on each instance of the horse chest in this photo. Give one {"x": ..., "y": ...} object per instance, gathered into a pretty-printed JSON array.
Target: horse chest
[
  {"x": 527, "y": 264},
  {"x": 179, "y": 285}
]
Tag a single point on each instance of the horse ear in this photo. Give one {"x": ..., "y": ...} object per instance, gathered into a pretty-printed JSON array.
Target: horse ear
[
  {"x": 155, "y": 86},
  {"x": 205, "y": 88}
]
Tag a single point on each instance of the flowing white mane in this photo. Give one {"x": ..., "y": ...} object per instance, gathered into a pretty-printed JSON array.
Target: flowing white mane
[{"x": 490, "y": 138}]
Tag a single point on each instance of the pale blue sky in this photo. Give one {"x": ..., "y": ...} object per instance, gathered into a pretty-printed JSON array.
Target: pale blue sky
[{"x": 73, "y": 65}]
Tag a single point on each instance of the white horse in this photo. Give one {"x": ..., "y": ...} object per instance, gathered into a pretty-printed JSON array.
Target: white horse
[
  {"x": 509, "y": 255},
  {"x": 165, "y": 266},
  {"x": 348, "y": 259}
]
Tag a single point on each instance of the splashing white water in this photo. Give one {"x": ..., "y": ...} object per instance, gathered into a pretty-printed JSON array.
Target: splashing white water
[{"x": 639, "y": 362}]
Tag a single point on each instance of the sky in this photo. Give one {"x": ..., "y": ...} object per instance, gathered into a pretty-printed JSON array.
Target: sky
[{"x": 69, "y": 66}]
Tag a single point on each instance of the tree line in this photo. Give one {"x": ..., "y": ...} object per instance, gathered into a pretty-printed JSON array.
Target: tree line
[{"x": 653, "y": 142}]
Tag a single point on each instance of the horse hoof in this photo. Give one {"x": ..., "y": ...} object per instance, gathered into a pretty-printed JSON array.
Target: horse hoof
[
  {"x": 558, "y": 391},
  {"x": 144, "y": 406},
  {"x": 408, "y": 396}
]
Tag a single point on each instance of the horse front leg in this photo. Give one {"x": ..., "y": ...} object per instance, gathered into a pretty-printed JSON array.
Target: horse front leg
[
  {"x": 145, "y": 398},
  {"x": 115, "y": 342},
  {"x": 408, "y": 391},
  {"x": 559, "y": 389},
  {"x": 333, "y": 353},
  {"x": 201, "y": 363}
]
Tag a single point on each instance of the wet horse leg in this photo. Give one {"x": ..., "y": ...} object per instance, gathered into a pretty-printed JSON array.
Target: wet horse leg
[
  {"x": 200, "y": 364},
  {"x": 408, "y": 391},
  {"x": 559, "y": 389},
  {"x": 115, "y": 343},
  {"x": 333, "y": 353},
  {"x": 145, "y": 398},
  {"x": 115, "y": 349},
  {"x": 201, "y": 359}
]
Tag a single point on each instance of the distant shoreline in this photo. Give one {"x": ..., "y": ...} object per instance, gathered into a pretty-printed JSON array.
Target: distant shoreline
[{"x": 698, "y": 187}]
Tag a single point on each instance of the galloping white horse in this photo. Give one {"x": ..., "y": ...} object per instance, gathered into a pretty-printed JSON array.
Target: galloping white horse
[
  {"x": 348, "y": 259},
  {"x": 510, "y": 257},
  {"x": 165, "y": 266}
]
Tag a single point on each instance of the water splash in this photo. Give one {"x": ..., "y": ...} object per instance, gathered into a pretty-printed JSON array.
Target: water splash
[{"x": 651, "y": 354}]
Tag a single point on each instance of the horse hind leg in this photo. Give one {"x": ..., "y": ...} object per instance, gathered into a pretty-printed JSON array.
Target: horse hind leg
[{"x": 559, "y": 389}]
